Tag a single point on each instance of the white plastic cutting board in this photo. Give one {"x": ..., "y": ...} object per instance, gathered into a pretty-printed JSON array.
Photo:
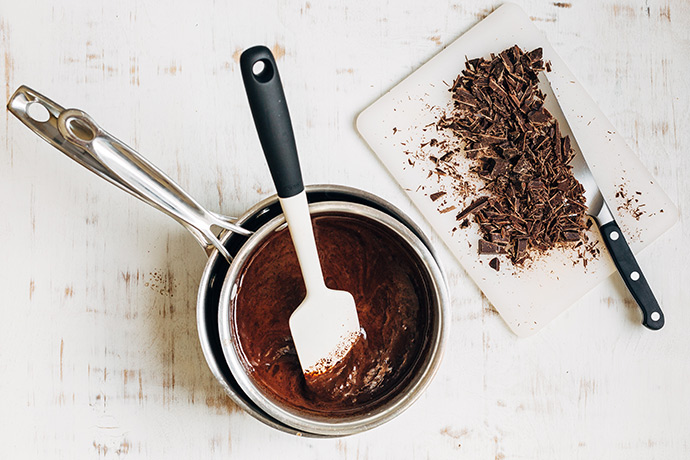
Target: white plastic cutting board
[{"x": 399, "y": 127}]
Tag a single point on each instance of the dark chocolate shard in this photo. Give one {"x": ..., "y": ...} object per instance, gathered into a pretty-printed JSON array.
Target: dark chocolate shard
[
  {"x": 436, "y": 196},
  {"x": 486, "y": 247},
  {"x": 571, "y": 236},
  {"x": 532, "y": 201},
  {"x": 498, "y": 238},
  {"x": 446, "y": 156},
  {"x": 540, "y": 116},
  {"x": 563, "y": 185},
  {"x": 500, "y": 167},
  {"x": 521, "y": 246},
  {"x": 476, "y": 205},
  {"x": 535, "y": 55},
  {"x": 495, "y": 264}
]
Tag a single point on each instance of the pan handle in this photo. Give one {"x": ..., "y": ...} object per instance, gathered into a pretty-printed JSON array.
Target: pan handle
[{"x": 78, "y": 136}]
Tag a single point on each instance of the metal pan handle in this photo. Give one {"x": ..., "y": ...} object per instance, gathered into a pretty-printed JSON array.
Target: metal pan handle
[{"x": 78, "y": 136}]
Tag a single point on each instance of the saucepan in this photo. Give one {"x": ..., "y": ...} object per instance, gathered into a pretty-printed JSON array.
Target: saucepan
[{"x": 229, "y": 242}]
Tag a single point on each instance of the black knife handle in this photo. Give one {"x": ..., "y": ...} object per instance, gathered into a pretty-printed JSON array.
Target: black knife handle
[
  {"x": 629, "y": 269},
  {"x": 272, "y": 119}
]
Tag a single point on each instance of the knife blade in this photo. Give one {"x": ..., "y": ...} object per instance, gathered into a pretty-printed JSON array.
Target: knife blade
[{"x": 567, "y": 92}]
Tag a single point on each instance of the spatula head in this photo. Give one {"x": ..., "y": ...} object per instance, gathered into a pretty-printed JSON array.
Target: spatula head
[{"x": 324, "y": 327}]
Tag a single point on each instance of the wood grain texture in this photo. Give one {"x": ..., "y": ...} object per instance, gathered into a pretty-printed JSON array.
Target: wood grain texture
[{"x": 99, "y": 355}]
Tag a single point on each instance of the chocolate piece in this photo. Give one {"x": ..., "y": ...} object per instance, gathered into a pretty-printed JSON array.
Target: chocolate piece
[
  {"x": 436, "y": 196},
  {"x": 486, "y": 247},
  {"x": 522, "y": 166},
  {"x": 534, "y": 201},
  {"x": 476, "y": 205},
  {"x": 446, "y": 156},
  {"x": 521, "y": 246},
  {"x": 495, "y": 264},
  {"x": 541, "y": 116},
  {"x": 630, "y": 204},
  {"x": 571, "y": 236},
  {"x": 500, "y": 167}
]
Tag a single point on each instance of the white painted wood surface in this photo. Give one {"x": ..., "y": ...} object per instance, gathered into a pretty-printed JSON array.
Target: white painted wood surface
[{"x": 99, "y": 356}]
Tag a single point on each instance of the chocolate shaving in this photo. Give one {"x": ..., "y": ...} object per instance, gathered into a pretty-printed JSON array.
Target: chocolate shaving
[{"x": 534, "y": 202}]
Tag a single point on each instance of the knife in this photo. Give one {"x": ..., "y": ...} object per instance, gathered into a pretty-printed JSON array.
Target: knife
[{"x": 585, "y": 130}]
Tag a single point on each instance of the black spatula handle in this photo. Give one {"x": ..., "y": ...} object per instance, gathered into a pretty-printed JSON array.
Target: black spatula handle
[
  {"x": 272, "y": 119},
  {"x": 629, "y": 269}
]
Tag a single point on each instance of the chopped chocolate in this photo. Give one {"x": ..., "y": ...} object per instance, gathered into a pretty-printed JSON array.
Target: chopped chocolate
[
  {"x": 446, "y": 156},
  {"x": 522, "y": 166},
  {"x": 534, "y": 202},
  {"x": 495, "y": 264},
  {"x": 571, "y": 236},
  {"x": 521, "y": 246},
  {"x": 436, "y": 196},
  {"x": 500, "y": 167},
  {"x": 475, "y": 206},
  {"x": 630, "y": 204},
  {"x": 540, "y": 117},
  {"x": 486, "y": 247}
]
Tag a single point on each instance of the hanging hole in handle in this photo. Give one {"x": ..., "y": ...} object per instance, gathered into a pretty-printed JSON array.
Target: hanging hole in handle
[
  {"x": 38, "y": 112},
  {"x": 262, "y": 71},
  {"x": 656, "y": 316},
  {"x": 80, "y": 130}
]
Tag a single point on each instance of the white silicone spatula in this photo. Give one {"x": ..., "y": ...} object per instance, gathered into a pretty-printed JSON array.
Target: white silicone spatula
[{"x": 325, "y": 325}]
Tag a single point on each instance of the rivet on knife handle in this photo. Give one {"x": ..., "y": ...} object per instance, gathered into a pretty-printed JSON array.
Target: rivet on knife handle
[{"x": 632, "y": 275}]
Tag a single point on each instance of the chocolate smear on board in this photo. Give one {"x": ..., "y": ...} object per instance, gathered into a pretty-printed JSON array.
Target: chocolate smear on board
[{"x": 532, "y": 200}]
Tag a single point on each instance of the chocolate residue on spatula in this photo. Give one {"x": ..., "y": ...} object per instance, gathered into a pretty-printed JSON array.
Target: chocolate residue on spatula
[{"x": 532, "y": 201}]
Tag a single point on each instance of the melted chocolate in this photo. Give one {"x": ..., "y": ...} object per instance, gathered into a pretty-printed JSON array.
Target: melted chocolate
[{"x": 373, "y": 264}]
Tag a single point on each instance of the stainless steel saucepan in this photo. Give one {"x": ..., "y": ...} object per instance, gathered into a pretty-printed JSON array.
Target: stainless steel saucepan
[{"x": 77, "y": 135}]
